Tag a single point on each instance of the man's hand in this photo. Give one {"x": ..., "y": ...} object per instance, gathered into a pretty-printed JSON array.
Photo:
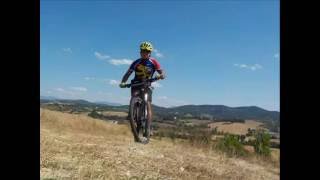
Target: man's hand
[
  {"x": 160, "y": 76},
  {"x": 122, "y": 85}
]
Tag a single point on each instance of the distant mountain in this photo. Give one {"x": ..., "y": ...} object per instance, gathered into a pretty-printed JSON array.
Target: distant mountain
[
  {"x": 77, "y": 101},
  {"x": 48, "y": 97},
  {"x": 108, "y": 103},
  {"x": 225, "y": 112},
  {"x": 214, "y": 111}
]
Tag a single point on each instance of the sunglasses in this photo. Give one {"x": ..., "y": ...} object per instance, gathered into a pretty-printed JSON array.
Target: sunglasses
[{"x": 145, "y": 51}]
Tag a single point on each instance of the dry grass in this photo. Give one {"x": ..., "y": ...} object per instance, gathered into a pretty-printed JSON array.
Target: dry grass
[
  {"x": 236, "y": 128},
  {"x": 115, "y": 113},
  {"x": 79, "y": 147},
  {"x": 78, "y": 123},
  {"x": 197, "y": 122}
]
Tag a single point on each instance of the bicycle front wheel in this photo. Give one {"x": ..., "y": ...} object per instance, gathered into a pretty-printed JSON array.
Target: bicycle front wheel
[{"x": 135, "y": 117}]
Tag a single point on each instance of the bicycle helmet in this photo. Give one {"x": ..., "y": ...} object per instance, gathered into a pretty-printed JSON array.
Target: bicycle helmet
[{"x": 146, "y": 46}]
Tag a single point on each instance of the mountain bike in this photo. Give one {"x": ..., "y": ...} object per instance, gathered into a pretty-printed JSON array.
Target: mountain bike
[{"x": 139, "y": 123}]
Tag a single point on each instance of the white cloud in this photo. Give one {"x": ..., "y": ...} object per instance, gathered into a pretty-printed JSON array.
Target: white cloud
[
  {"x": 156, "y": 85},
  {"x": 70, "y": 92},
  {"x": 89, "y": 78},
  {"x": 114, "y": 82},
  {"x": 158, "y": 54},
  {"x": 121, "y": 61},
  {"x": 256, "y": 66},
  {"x": 251, "y": 67},
  {"x": 101, "y": 56},
  {"x": 63, "y": 91},
  {"x": 68, "y": 50},
  {"x": 277, "y": 55},
  {"x": 60, "y": 89},
  {"x": 104, "y": 93},
  {"x": 162, "y": 97},
  {"x": 103, "y": 80},
  {"x": 117, "y": 97},
  {"x": 169, "y": 102},
  {"x": 243, "y": 66},
  {"x": 82, "y": 89}
]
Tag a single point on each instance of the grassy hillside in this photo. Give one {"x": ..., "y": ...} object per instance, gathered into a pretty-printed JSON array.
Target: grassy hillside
[
  {"x": 202, "y": 112},
  {"x": 75, "y": 146}
]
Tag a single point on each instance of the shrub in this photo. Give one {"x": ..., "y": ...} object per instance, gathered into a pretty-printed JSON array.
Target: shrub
[
  {"x": 160, "y": 134},
  {"x": 242, "y": 139},
  {"x": 231, "y": 145},
  {"x": 95, "y": 114},
  {"x": 205, "y": 138},
  {"x": 262, "y": 143},
  {"x": 172, "y": 135},
  {"x": 214, "y": 131}
]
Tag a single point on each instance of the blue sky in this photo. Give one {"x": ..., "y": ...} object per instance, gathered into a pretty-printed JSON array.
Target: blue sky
[{"x": 213, "y": 52}]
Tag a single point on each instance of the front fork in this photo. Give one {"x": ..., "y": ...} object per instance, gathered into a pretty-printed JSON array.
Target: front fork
[
  {"x": 145, "y": 98},
  {"x": 145, "y": 114}
]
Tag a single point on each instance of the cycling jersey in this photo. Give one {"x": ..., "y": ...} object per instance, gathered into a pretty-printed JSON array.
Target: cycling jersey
[{"x": 144, "y": 69}]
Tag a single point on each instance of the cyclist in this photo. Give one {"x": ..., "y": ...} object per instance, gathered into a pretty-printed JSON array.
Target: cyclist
[{"x": 144, "y": 68}]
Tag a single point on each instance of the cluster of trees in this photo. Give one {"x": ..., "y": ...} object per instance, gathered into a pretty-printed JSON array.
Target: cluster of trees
[
  {"x": 97, "y": 115},
  {"x": 173, "y": 116}
]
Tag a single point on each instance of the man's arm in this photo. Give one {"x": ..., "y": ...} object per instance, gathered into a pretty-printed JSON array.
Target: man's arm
[
  {"x": 158, "y": 69},
  {"x": 126, "y": 76}
]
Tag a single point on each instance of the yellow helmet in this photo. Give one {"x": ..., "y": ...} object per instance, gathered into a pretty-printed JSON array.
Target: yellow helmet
[{"x": 146, "y": 46}]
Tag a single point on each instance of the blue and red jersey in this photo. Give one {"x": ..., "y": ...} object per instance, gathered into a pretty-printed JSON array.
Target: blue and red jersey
[{"x": 144, "y": 69}]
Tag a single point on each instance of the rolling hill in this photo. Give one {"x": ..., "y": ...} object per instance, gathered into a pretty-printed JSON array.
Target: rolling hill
[
  {"x": 213, "y": 111},
  {"x": 225, "y": 112}
]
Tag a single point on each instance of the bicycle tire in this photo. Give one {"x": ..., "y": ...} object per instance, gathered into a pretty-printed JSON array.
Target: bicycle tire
[
  {"x": 135, "y": 115},
  {"x": 147, "y": 129}
]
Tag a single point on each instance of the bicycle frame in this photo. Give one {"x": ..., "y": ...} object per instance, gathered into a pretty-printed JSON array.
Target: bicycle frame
[
  {"x": 141, "y": 121},
  {"x": 144, "y": 98}
]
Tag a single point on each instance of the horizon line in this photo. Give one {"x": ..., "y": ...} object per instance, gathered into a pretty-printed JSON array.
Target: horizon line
[{"x": 160, "y": 105}]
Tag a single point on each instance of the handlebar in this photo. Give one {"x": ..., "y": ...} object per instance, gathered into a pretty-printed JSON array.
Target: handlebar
[{"x": 142, "y": 83}]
